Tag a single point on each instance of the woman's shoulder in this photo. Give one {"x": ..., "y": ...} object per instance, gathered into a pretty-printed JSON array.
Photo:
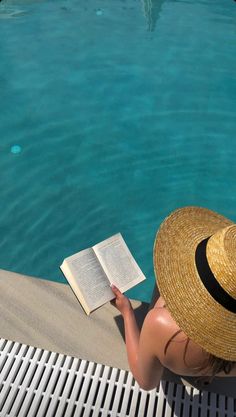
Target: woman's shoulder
[
  {"x": 177, "y": 352},
  {"x": 163, "y": 328}
]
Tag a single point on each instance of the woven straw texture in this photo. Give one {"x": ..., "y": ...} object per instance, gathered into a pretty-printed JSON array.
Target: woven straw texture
[{"x": 195, "y": 311}]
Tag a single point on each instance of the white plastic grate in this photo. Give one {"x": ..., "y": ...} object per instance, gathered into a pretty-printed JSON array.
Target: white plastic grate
[{"x": 38, "y": 383}]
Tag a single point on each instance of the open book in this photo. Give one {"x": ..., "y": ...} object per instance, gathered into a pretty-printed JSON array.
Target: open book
[{"x": 91, "y": 272}]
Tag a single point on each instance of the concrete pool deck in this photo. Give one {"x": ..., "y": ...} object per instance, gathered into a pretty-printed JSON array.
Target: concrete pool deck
[{"x": 47, "y": 315}]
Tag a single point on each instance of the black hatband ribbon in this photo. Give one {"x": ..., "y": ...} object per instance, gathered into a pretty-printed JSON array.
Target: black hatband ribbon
[{"x": 209, "y": 280}]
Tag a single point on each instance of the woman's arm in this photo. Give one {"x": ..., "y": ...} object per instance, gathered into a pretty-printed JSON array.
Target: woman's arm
[{"x": 143, "y": 362}]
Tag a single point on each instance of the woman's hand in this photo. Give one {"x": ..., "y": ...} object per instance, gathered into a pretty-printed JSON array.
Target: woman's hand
[{"x": 121, "y": 302}]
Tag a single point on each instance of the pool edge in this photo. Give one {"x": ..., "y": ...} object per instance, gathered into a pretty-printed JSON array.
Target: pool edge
[{"x": 46, "y": 314}]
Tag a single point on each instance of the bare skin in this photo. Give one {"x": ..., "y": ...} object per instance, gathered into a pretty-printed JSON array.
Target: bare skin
[{"x": 145, "y": 349}]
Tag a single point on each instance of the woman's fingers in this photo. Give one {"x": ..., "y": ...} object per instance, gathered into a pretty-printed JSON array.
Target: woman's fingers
[
  {"x": 121, "y": 302},
  {"x": 115, "y": 290}
]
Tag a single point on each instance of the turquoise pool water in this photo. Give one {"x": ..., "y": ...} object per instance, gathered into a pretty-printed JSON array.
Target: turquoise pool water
[{"x": 113, "y": 113}]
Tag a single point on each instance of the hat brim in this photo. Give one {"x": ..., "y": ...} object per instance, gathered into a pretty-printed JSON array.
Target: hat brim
[{"x": 195, "y": 311}]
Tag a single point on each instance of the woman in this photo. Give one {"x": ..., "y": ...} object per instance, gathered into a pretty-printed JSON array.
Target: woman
[{"x": 191, "y": 330}]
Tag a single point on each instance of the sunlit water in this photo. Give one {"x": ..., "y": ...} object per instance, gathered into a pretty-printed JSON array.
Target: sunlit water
[{"x": 113, "y": 113}]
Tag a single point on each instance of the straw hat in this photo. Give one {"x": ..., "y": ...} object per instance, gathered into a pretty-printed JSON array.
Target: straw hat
[{"x": 195, "y": 267}]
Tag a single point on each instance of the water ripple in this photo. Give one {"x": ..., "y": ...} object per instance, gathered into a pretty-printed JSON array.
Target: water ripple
[{"x": 117, "y": 126}]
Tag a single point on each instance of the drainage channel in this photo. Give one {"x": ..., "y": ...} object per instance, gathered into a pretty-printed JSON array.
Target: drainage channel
[{"x": 38, "y": 383}]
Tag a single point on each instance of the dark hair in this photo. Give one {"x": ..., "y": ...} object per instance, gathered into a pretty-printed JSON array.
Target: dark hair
[{"x": 212, "y": 364}]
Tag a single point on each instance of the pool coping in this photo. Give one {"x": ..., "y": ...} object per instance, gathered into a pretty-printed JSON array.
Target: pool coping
[{"x": 46, "y": 314}]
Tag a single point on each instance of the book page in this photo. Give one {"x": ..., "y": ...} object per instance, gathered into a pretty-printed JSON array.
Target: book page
[
  {"x": 118, "y": 263},
  {"x": 90, "y": 278}
]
